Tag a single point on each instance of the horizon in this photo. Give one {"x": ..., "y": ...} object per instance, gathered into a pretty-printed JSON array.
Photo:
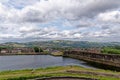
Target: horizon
[
  {"x": 58, "y": 40},
  {"x": 45, "y": 20}
]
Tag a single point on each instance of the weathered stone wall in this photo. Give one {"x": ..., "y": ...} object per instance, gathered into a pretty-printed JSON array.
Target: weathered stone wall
[{"x": 107, "y": 59}]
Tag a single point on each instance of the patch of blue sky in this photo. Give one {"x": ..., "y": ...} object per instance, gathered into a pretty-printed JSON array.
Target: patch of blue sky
[
  {"x": 12, "y": 3},
  {"x": 20, "y": 4},
  {"x": 16, "y": 5},
  {"x": 92, "y": 29},
  {"x": 58, "y": 23}
]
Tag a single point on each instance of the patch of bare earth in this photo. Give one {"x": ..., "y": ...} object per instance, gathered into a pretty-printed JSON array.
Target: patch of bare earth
[{"x": 66, "y": 78}]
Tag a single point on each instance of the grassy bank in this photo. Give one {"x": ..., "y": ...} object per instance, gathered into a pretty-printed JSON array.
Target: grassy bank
[{"x": 73, "y": 71}]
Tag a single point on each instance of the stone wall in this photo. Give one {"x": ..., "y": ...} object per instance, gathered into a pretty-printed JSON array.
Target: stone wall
[{"x": 107, "y": 59}]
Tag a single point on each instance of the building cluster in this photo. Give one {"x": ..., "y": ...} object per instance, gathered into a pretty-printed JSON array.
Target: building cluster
[{"x": 22, "y": 50}]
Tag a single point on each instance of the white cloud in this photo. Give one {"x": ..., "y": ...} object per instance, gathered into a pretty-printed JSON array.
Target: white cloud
[
  {"x": 111, "y": 16},
  {"x": 42, "y": 11},
  {"x": 2, "y": 12},
  {"x": 86, "y": 18}
]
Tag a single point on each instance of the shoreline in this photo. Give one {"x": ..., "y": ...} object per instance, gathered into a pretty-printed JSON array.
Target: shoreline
[{"x": 23, "y": 54}]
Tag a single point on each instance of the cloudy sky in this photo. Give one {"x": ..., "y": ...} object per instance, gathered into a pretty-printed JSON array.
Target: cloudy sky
[{"x": 31, "y": 20}]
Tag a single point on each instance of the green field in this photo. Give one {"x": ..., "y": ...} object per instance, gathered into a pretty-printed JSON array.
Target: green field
[
  {"x": 110, "y": 50},
  {"x": 72, "y": 71}
]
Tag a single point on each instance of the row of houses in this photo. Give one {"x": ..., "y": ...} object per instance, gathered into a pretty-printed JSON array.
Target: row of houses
[{"x": 17, "y": 51}]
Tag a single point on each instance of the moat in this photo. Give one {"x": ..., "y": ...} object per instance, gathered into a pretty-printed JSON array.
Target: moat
[{"x": 18, "y": 62}]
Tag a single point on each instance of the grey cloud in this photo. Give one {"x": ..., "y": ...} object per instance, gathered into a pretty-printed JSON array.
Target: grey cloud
[
  {"x": 82, "y": 25},
  {"x": 29, "y": 31},
  {"x": 33, "y": 16},
  {"x": 94, "y": 7},
  {"x": 2, "y": 29},
  {"x": 106, "y": 26},
  {"x": 73, "y": 11}
]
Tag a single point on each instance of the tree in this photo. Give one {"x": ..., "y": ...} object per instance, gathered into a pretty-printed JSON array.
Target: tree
[
  {"x": 36, "y": 49},
  {"x": 41, "y": 50}
]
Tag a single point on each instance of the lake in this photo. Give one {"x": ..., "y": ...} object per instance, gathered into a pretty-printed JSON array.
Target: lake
[{"x": 18, "y": 62}]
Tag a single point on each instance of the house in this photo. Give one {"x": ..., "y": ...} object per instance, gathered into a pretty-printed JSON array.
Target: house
[
  {"x": 16, "y": 51},
  {"x": 4, "y": 51},
  {"x": 23, "y": 50}
]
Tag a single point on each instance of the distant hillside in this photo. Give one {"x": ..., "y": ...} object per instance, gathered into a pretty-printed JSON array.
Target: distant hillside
[
  {"x": 62, "y": 44},
  {"x": 13, "y": 44}
]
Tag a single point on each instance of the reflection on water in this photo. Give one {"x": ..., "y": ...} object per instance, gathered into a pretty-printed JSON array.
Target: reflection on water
[{"x": 36, "y": 61}]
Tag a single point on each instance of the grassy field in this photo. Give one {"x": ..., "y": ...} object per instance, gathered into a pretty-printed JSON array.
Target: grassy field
[
  {"x": 73, "y": 71},
  {"x": 110, "y": 50}
]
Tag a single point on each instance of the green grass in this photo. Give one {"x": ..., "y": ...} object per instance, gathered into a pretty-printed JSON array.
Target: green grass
[
  {"x": 110, "y": 50},
  {"x": 54, "y": 72}
]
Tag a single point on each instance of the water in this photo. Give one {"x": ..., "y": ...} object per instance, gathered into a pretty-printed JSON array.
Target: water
[{"x": 36, "y": 61}]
